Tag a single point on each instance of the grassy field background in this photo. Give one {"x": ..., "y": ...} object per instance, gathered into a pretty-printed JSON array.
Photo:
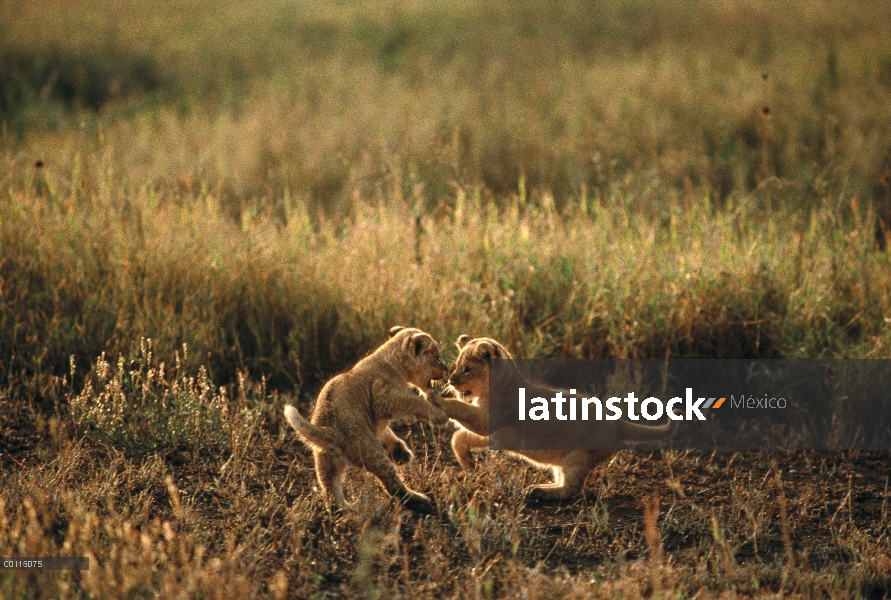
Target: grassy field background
[{"x": 209, "y": 208}]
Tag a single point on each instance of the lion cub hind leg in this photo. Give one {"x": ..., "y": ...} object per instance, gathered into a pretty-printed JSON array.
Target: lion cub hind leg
[
  {"x": 462, "y": 442},
  {"x": 570, "y": 475},
  {"x": 550, "y": 492},
  {"x": 376, "y": 461},
  {"x": 395, "y": 447},
  {"x": 329, "y": 472}
]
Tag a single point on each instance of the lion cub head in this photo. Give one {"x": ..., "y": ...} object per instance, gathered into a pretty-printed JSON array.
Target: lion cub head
[
  {"x": 418, "y": 355},
  {"x": 470, "y": 376}
]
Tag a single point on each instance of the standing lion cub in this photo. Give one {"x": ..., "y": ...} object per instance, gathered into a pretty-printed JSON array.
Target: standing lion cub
[
  {"x": 350, "y": 422},
  {"x": 470, "y": 378}
]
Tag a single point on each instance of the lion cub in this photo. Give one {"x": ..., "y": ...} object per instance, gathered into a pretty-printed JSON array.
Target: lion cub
[
  {"x": 470, "y": 378},
  {"x": 350, "y": 422}
]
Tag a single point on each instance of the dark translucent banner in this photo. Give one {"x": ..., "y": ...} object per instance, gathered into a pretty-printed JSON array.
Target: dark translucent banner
[{"x": 690, "y": 404}]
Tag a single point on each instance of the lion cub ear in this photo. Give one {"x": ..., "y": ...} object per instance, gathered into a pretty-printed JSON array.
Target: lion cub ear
[
  {"x": 462, "y": 341},
  {"x": 415, "y": 342},
  {"x": 395, "y": 329},
  {"x": 487, "y": 351}
]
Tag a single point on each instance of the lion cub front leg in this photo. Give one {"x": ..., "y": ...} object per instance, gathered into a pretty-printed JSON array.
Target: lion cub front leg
[
  {"x": 462, "y": 441},
  {"x": 472, "y": 417},
  {"x": 396, "y": 447},
  {"x": 405, "y": 402},
  {"x": 474, "y": 430}
]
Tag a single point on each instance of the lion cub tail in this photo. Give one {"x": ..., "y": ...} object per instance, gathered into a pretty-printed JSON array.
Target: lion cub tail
[
  {"x": 632, "y": 432},
  {"x": 322, "y": 437}
]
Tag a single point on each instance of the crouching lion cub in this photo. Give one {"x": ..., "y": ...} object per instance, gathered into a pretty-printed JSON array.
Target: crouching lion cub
[
  {"x": 350, "y": 422},
  {"x": 470, "y": 378}
]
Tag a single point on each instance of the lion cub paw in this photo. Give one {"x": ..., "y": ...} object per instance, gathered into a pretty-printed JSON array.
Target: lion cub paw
[
  {"x": 401, "y": 454},
  {"x": 466, "y": 461},
  {"x": 546, "y": 494},
  {"x": 417, "y": 502},
  {"x": 438, "y": 416}
]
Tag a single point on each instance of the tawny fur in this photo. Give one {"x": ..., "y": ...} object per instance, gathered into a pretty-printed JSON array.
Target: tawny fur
[
  {"x": 350, "y": 422},
  {"x": 470, "y": 378}
]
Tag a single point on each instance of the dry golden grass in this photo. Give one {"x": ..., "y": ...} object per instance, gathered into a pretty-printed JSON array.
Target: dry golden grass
[
  {"x": 324, "y": 100},
  {"x": 212, "y": 521}
]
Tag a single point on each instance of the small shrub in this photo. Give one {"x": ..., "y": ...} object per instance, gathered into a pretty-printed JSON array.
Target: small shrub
[{"x": 139, "y": 405}]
